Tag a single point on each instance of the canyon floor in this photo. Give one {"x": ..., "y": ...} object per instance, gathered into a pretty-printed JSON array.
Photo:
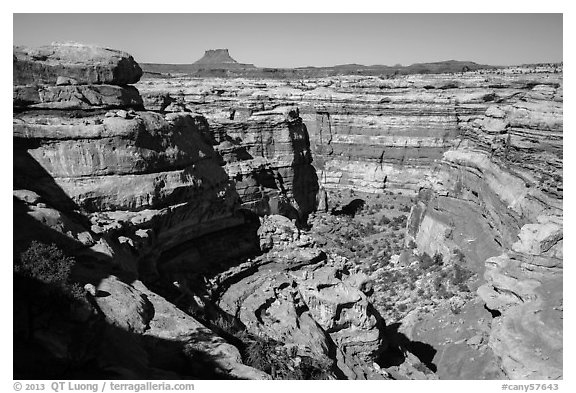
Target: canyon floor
[{"x": 172, "y": 226}]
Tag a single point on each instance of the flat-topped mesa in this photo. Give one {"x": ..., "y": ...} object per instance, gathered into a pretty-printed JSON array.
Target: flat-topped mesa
[
  {"x": 74, "y": 76},
  {"x": 219, "y": 58},
  {"x": 216, "y": 56}
]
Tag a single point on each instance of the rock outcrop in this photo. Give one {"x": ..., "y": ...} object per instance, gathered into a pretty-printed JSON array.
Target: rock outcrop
[
  {"x": 295, "y": 295},
  {"x": 73, "y": 64}
]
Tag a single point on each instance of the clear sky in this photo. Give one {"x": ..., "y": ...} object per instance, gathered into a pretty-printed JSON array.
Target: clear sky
[{"x": 294, "y": 40}]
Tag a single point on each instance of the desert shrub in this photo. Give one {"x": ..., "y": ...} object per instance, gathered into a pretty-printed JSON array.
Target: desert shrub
[
  {"x": 425, "y": 260},
  {"x": 384, "y": 220},
  {"x": 438, "y": 259},
  {"x": 422, "y": 368},
  {"x": 459, "y": 256},
  {"x": 48, "y": 265},
  {"x": 273, "y": 358},
  {"x": 369, "y": 229},
  {"x": 437, "y": 283},
  {"x": 259, "y": 353},
  {"x": 455, "y": 310},
  {"x": 402, "y": 307},
  {"x": 412, "y": 244},
  {"x": 401, "y": 219},
  {"x": 225, "y": 325},
  {"x": 311, "y": 368},
  {"x": 441, "y": 291},
  {"x": 405, "y": 208},
  {"x": 460, "y": 275}
]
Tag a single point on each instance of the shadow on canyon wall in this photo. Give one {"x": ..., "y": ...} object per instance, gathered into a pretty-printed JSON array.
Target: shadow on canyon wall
[{"x": 58, "y": 338}]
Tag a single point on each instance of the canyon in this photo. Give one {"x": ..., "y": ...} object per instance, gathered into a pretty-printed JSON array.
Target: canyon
[{"x": 337, "y": 227}]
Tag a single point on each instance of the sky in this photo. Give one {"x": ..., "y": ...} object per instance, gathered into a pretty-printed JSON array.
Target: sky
[{"x": 296, "y": 40}]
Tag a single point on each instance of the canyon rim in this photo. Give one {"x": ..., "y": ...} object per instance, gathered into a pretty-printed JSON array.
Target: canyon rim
[{"x": 219, "y": 219}]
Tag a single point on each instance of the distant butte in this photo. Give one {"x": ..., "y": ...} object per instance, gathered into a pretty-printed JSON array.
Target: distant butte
[
  {"x": 220, "y": 58},
  {"x": 216, "y": 56}
]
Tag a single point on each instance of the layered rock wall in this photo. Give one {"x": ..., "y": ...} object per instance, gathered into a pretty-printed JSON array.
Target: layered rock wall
[{"x": 507, "y": 170}]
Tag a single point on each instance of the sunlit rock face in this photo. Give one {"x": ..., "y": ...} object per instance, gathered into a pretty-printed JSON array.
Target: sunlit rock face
[
  {"x": 498, "y": 197},
  {"x": 372, "y": 133},
  {"x": 152, "y": 180},
  {"x": 268, "y": 158}
]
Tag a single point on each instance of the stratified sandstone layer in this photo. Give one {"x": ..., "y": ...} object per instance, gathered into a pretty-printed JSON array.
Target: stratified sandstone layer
[{"x": 366, "y": 133}]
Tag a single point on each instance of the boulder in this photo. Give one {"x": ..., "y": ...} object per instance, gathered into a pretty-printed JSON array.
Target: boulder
[
  {"x": 539, "y": 238},
  {"x": 123, "y": 305},
  {"x": 85, "y": 64}
]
